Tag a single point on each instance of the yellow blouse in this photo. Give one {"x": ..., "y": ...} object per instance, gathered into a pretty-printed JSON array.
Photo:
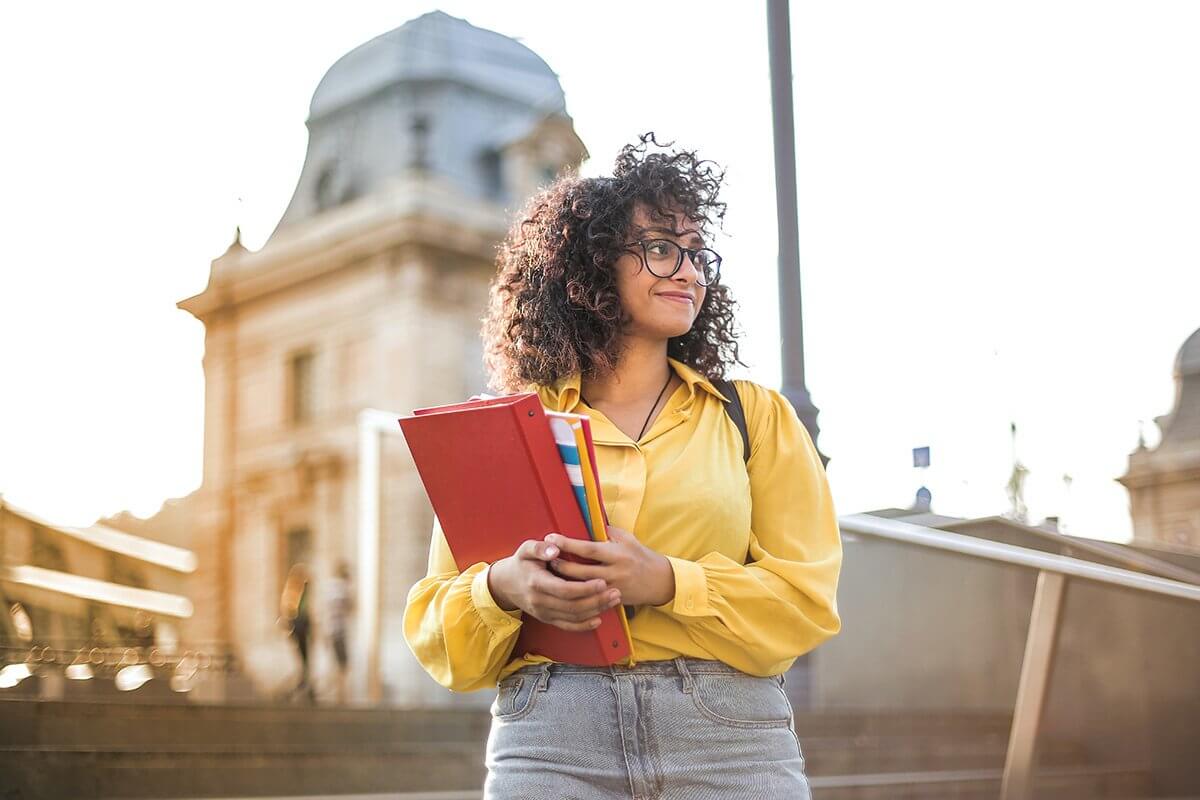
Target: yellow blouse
[{"x": 755, "y": 547}]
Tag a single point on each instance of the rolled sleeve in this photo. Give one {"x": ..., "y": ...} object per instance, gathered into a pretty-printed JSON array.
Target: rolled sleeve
[{"x": 453, "y": 625}]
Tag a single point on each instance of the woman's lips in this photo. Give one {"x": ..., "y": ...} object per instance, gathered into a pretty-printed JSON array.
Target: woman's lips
[{"x": 678, "y": 298}]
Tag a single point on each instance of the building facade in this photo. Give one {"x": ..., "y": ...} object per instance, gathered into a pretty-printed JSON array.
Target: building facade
[
  {"x": 1164, "y": 483},
  {"x": 369, "y": 294}
]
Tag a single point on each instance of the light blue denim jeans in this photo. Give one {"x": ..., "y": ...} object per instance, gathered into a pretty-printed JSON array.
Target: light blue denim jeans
[{"x": 685, "y": 729}]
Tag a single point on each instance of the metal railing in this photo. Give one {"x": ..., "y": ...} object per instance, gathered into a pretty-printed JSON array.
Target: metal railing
[{"x": 1053, "y": 573}]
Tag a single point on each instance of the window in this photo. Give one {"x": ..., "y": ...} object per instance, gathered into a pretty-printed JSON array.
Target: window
[
  {"x": 493, "y": 175},
  {"x": 301, "y": 388},
  {"x": 46, "y": 553},
  {"x": 125, "y": 571},
  {"x": 297, "y": 549}
]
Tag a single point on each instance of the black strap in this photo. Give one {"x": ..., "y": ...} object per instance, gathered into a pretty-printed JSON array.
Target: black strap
[{"x": 736, "y": 413}]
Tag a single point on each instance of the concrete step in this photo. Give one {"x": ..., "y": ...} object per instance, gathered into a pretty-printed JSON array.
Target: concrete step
[
  {"x": 835, "y": 755},
  {"x": 102, "y": 749},
  {"x": 858, "y": 722},
  {"x": 1129, "y": 782},
  {"x": 40, "y": 722},
  {"x": 73, "y": 722},
  {"x": 166, "y": 774},
  {"x": 141, "y": 775}
]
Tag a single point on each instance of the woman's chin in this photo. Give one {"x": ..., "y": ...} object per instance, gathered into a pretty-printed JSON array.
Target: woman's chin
[
  {"x": 675, "y": 331},
  {"x": 662, "y": 329}
]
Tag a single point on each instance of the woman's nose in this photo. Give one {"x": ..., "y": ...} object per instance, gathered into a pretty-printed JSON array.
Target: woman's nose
[{"x": 687, "y": 269}]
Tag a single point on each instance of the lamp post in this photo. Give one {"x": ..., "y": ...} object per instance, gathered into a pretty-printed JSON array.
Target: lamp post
[{"x": 791, "y": 321}]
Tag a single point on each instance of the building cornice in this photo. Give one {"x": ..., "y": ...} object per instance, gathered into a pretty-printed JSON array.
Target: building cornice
[{"x": 414, "y": 210}]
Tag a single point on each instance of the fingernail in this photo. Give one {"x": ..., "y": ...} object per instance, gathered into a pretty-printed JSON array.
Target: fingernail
[
  {"x": 594, "y": 623},
  {"x": 552, "y": 551},
  {"x": 614, "y": 597}
]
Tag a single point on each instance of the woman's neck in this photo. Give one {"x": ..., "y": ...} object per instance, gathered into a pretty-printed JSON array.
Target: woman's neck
[{"x": 641, "y": 372}]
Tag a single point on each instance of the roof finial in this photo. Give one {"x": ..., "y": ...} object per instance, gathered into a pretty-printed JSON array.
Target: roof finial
[{"x": 1016, "y": 483}]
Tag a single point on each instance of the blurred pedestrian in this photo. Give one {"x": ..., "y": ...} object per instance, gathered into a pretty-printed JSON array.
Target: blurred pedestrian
[
  {"x": 296, "y": 618},
  {"x": 340, "y": 606}
]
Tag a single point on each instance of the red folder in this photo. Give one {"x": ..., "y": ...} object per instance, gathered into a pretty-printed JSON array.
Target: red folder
[{"x": 495, "y": 479}]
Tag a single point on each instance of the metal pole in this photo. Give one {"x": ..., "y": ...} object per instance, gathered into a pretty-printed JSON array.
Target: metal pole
[
  {"x": 791, "y": 322},
  {"x": 1017, "y": 783}
]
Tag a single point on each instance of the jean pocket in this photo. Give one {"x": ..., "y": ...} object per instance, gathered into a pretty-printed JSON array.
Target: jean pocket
[
  {"x": 742, "y": 701},
  {"x": 514, "y": 697}
]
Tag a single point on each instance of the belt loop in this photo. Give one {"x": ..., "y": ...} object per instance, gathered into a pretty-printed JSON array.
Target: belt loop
[
  {"x": 688, "y": 682},
  {"x": 544, "y": 678}
]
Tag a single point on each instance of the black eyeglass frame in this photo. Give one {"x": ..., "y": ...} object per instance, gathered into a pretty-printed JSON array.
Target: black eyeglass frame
[{"x": 680, "y": 251}]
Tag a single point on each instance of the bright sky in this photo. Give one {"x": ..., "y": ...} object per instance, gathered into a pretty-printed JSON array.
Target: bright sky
[{"x": 998, "y": 215}]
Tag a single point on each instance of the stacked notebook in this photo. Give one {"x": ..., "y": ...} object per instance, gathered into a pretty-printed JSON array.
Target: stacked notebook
[{"x": 503, "y": 470}]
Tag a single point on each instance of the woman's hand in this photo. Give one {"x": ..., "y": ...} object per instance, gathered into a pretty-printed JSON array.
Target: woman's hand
[
  {"x": 522, "y": 581},
  {"x": 642, "y": 576}
]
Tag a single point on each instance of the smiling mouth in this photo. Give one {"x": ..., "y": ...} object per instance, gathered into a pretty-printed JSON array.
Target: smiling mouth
[{"x": 678, "y": 298}]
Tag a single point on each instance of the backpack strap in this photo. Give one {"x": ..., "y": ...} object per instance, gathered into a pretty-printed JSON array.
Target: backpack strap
[{"x": 736, "y": 413}]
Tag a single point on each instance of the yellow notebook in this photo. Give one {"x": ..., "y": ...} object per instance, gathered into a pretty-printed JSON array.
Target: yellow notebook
[
  {"x": 595, "y": 510},
  {"x": 591, "y": 484}
]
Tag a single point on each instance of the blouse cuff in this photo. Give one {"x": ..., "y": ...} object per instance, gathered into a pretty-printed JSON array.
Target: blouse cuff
[
  {"x": 500, "y": 622},
  {"x": 691, "y": 590}
]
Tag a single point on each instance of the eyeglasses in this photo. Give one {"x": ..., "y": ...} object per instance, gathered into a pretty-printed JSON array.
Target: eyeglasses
[{"x": 663, "y": 258}]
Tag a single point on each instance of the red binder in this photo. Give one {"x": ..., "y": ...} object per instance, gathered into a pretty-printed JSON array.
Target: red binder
[{"x": 495, "y": 479}]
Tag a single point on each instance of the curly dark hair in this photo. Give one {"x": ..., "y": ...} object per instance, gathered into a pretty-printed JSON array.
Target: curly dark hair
[{"x": 553, "y": 306}]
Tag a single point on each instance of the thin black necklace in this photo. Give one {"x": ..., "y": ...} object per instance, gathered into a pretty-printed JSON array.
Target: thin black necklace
[{"x": 647, "y": 422}]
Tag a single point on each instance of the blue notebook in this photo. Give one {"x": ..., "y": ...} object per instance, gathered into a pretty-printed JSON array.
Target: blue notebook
[{"x": 568, "y": 450}]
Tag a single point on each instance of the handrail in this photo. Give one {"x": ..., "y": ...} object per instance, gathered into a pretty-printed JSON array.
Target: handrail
[
  {"x": 1041, "y": 641},
  {"x": 1012, "y": 554}
]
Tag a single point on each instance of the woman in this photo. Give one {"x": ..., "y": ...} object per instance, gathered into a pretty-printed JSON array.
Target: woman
[
  {"x": 295, "y": 618},
  {"x": 607, "y": 302}
]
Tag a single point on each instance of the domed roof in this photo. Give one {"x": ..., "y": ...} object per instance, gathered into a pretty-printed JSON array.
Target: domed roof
[
  {"x": 437, "y": 46},
  {"x": 1188, "y": 360}
]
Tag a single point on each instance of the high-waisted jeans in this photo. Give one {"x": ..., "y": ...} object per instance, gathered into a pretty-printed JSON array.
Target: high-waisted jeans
[{"x": 685, "y": 729}]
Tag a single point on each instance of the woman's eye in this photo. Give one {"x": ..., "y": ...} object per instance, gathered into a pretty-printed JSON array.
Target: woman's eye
[{"x": 659, "y": 249}]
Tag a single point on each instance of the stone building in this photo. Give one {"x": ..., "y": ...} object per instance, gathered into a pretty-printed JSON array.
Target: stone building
[
  {"x": 1164, "y": 483},
  {"x": 91, "y": 595},
  {"x": 368, "y": 294}
]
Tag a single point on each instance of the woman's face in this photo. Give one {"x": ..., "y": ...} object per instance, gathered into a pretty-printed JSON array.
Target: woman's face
[{"x": 659, "y": 308}]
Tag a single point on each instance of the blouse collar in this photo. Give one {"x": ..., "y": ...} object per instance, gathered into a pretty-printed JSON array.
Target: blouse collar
[{"x": 564, "y": 395}]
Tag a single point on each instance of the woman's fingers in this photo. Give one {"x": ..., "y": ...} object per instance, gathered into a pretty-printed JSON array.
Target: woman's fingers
[
  {"x": 551, "y": 610},
  {"x": 596, "y": 551},
  {"x": 535, "y": 550},
  {"x": 554, "y": 586},
  {"x": 571, "y": 604},
  {"x": 577, "y": 606},
  {"x": 578, "y": 572}
]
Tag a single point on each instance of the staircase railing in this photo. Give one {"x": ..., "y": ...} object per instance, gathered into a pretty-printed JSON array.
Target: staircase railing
[{"x": 1053, "y": 573}]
